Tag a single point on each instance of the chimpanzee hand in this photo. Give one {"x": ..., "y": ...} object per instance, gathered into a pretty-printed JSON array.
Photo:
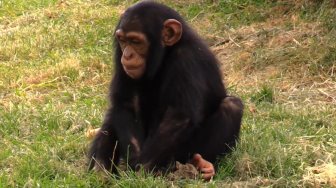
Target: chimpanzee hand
[{"x": 205, "y": 167}]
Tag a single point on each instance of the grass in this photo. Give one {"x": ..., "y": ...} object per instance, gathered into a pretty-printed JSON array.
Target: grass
[{"x": 279, "y": 56}]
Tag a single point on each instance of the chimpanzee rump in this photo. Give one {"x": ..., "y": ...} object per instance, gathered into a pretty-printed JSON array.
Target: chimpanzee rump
[{"x": 168, "y": 101}]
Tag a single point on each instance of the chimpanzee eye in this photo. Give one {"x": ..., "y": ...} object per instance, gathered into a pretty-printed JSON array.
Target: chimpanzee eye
[
  {"x": 121, "y": 40},
  {"x": 135, "y": 42}
]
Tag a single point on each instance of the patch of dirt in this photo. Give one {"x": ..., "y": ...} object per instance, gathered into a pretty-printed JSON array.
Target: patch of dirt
[{"x": 183, "y": 171}]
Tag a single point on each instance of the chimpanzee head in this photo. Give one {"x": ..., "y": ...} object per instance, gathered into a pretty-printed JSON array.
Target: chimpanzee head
[{"x": 142, "y": 35}]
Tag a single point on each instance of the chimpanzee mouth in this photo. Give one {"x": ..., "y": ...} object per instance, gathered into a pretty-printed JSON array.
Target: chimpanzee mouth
[{"x": 132, "y": 68}]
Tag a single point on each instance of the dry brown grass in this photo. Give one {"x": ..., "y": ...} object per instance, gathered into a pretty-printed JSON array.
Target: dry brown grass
[
  {"x": 292, "y": 80},
  {"x": 320, "y": 175}
]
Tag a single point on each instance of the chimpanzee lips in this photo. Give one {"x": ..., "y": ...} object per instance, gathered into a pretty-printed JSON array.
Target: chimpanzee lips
[
  {"x": 134, "y": 72},
  {"x": 132, "y": 68}
]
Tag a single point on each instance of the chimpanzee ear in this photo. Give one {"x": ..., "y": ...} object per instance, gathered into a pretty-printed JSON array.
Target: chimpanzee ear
[{"x": 172, "y": 32}]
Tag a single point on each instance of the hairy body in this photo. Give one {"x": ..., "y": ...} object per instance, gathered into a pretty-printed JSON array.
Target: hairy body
[{"x": 168, "y": 101}]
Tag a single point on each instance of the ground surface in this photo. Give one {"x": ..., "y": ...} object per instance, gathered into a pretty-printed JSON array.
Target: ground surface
[{"x": 279, "y": 56}]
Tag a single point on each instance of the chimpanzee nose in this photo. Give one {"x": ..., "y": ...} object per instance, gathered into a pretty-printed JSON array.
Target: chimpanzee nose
[{"x": 128, "y": 53}]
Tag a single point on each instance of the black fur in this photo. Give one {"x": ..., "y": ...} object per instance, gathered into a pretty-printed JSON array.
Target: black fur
[{"x": 178, "y": 108}]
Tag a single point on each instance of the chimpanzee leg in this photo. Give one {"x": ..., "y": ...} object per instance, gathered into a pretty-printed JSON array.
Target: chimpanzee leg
[
  {"x": 220, "y": 132},
  {"x": 119, "y": 136}
]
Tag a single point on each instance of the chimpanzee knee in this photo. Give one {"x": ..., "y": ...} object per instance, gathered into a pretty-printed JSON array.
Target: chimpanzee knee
[{"x": 232, "y": 106}]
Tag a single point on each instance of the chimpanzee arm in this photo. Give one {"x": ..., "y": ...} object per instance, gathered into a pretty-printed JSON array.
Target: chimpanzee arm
[
  {"x": 130, "y": 132},
  {"x": 119, "y": 135},
  {"x": 175, "y": 128},
  {"x": 183, "y": 95},
  {"x": 104, "y": 149}
]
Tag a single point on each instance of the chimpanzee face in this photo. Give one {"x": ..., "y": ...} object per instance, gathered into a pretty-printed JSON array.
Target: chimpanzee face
[{"x": 134, "y": 46}]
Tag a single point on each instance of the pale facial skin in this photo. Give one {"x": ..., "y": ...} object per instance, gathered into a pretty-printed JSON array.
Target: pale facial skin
[{"x": 134, "y": 46}]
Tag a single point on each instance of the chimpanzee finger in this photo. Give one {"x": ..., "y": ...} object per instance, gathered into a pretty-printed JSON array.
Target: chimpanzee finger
[
  {"x": 207, "y": 170},
  {"x": 207, "y": 176}
]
